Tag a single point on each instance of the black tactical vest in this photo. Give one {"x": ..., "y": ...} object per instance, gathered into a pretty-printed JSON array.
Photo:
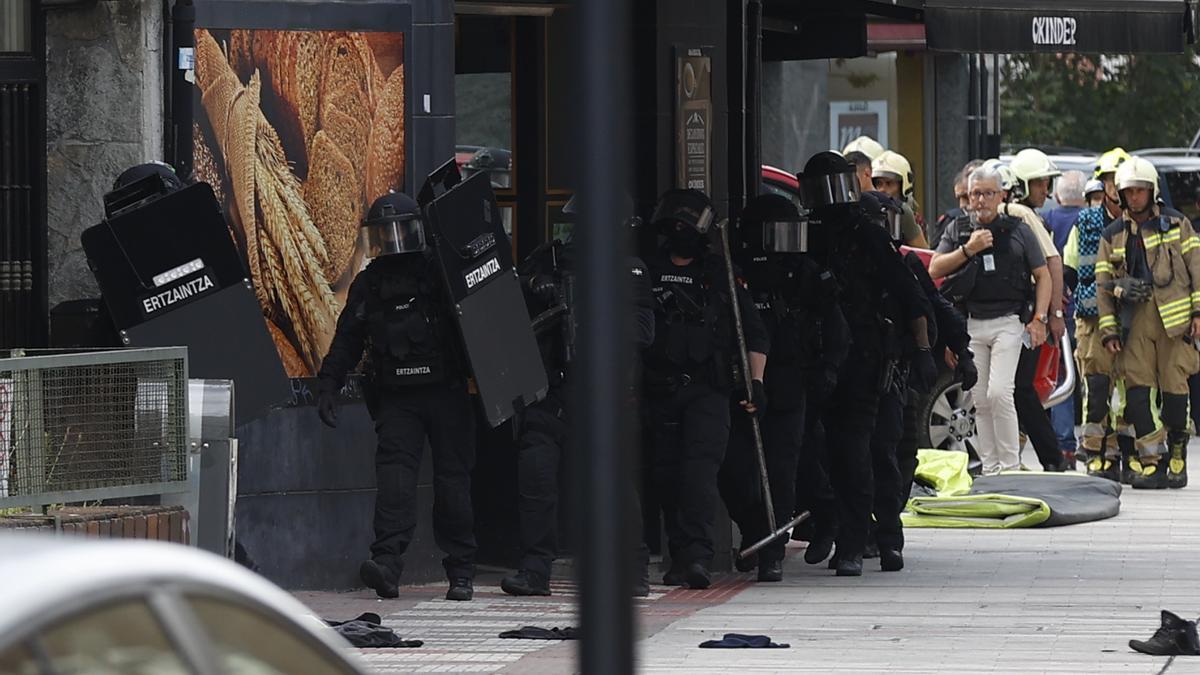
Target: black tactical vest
[
  {"x": 1007, "y": 289},
  {"x": 693, "y": 321},
  {"x": 406, "y": 324}
]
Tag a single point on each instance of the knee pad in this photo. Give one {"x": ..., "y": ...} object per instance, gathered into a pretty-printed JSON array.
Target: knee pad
[
  {"x": 1137, "y": 411},
  {"x": 1099, "y": 390},
  {"x": 1174, "y": 412}
]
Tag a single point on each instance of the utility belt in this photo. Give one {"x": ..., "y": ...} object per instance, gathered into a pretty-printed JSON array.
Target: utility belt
[{"x": 659, "y": 381}]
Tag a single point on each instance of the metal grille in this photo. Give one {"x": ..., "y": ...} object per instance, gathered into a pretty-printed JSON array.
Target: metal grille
[
  {"x": 18, "y": 143},
  {"x": 91, "y": 426}
]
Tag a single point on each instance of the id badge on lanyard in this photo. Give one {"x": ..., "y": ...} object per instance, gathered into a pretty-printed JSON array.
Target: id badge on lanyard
[{"x": 989, "y": 263}]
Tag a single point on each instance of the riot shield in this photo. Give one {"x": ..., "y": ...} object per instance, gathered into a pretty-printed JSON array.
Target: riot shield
[
  {"x": 473, "y": 255},
  {"x": 170, "y": 274}
]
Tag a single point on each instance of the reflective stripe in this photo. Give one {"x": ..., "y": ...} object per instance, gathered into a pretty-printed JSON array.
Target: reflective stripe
[
  {"x": 1193, "y": 242},
  {"x": 1119, "y": 250},
  {"x": 1174, "y": 304},
  {"x": 1108, "y": 321},
  {"x": 1104, "y": 266}
]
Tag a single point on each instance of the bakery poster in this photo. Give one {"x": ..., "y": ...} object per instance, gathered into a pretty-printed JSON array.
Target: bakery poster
[{"x": 298, "y": 132}]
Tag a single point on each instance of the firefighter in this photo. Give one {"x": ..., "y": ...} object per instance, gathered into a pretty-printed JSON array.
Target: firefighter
[
  {"x": 1149, "y": 316},
  {"x": 892, "y": 174},
  {"x": 1095, "y": 362}
]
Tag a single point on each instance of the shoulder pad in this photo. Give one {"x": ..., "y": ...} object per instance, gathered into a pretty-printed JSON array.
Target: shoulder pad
[{"x": 1172, "y": 213}]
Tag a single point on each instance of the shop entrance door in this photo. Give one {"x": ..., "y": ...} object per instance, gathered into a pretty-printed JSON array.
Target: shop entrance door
[{"x": 23, "y": 313}]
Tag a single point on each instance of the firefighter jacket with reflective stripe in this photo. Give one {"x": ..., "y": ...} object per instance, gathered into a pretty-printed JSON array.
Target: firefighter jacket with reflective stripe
[{"x": 1172, "y": 253}]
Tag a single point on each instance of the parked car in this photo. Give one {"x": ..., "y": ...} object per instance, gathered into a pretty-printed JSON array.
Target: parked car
[
  {"x": 119, "y": 606},
  {"x": 948, "y": 410}
]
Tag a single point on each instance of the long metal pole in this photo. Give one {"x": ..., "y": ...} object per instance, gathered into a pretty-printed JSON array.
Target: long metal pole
[{"x": 603, "y": 433}]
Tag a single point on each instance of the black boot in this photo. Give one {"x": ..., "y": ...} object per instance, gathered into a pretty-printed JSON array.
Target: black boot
[
  {"x": 850, "y": 566},
  {"x": 1177, "y": 462},
  {"x": 381, "y": 578},
  {"x": 1175, "y": 636},
  {"x": 696, "y": 576},
  {"x": 462, "y": 589},
  {"x": 818, "y": 549},
  {"x": 891, "y": 559},
  {"x": 770, "y": 571},
  {"x": 1152, "y": 476},
  {"x": 526, "y": 582},
  {"x": 1100, "y": 466},
  {"x": 674, "y": 577},
  {"x": 746, "y": 564},
  {"x": 1129, "y": 459},
  {"x": 641, "y": 584}
]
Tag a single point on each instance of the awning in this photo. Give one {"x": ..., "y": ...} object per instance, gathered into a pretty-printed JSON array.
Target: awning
[{"x": 1090, "y": 26}]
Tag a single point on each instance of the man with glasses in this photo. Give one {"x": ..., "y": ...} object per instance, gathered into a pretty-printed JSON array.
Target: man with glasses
[
  {"x": 998, "y": 255},
  {"x": 938, "y": 227}
]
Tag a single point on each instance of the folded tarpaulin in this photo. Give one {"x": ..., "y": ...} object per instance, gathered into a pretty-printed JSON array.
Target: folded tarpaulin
[
  {"x": 1009, "y": 500},
  {"x": 539, "y": 633}
]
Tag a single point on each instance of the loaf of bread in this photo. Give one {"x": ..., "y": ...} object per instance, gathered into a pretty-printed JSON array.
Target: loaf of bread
[
  {"x": 385, "y": 145},
  {"x": 334, "y": 201}
]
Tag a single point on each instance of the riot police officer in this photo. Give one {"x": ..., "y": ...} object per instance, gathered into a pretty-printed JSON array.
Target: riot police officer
[
  {"x": 689, "y": 378},
  {"x": 869, "y": 271},
  {"x": 416, "y": 387},
  {"x": 808, "y": 335},
  {"x": 549, "y": 279},
  {"x": 914, "y": 372}
]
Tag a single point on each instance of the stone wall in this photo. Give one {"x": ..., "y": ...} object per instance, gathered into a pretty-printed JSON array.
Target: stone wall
[{"x": 104, "y": 105}]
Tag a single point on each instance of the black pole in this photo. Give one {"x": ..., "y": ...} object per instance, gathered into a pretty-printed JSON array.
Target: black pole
[
  {"x": 180, "y": 91},
  {"x": 754, "y": 97},
  {"x": 602, "y": 376}
]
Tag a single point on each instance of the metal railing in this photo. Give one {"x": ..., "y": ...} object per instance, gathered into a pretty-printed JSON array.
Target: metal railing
[{"x": 91, "y": 426}]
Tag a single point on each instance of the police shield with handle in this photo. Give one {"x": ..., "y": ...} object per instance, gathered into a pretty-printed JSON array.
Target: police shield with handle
[
  {"x": 398, "y": 310},
  {"x": 689, "y": 378}
]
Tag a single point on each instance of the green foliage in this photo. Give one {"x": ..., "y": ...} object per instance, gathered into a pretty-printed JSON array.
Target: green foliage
[{"x": 1084, "y": 101}]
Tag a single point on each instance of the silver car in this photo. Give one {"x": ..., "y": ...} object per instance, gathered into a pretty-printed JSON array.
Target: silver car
[{"x": 75, "y": 606}]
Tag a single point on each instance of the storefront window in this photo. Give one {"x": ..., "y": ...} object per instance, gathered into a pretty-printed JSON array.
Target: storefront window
[
  {"x": 15, "y": 31},
  {"x": 483, "y": 90}
]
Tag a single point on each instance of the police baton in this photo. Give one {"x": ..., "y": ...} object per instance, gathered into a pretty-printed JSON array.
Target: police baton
[{"x": 723, "y": 226}]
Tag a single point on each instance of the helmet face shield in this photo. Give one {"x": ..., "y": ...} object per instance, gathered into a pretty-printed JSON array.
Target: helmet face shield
[
  {"x": 829, "y": 189},
  {"x": 785, "y": 236},
  {"x": 392, "y": 236},
  {"x": 689, "y": 207}
]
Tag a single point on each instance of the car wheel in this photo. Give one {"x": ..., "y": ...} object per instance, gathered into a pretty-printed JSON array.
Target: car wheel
[{"x": 949, "y": 418}]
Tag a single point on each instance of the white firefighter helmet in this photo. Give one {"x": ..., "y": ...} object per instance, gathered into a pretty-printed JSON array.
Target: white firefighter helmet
[{"x": 895, "y": 166}]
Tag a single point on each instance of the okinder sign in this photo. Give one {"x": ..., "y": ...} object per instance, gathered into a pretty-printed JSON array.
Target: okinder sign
[
  {"x": 1053, "y": 30},
  {"x": 6, "y": 409}
]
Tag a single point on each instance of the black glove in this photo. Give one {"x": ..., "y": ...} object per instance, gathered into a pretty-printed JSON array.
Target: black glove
[
  {"x": 327, "y": 406},
  {"x": 758, "y": 398},
  {"x": 1130, "y": 289},
  {"x": 966, "y": 371},
  {"x": 543, "y": 286},
  {"x": 924, "y": 370}
]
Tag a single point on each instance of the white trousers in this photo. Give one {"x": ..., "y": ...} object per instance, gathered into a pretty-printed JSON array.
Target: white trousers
[{"x": 997, "y": 347}]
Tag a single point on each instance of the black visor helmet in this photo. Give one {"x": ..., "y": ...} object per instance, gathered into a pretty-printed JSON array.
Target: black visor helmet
[
  {"x": 688, "y": 207},
  {"x": 883, "y": 210},
  {"x": 774, "y": 223},
  {"x": 393, "y": 225},
  {"x": 828, "y": 180}
]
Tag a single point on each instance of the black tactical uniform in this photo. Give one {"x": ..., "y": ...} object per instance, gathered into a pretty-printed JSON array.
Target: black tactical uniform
[
  {"x": 548, "y": 277},
  {"x": 796, "y": 302},
  {"x": 869, "y": 271},
  {"x": 689, "y": 379},
  {"x": 417, "y": 390}
]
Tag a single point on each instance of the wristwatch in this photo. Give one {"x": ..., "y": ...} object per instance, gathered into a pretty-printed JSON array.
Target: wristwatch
[
  {"x": 1040, "y": 317},
  {"x": 1058, "y": 314}
]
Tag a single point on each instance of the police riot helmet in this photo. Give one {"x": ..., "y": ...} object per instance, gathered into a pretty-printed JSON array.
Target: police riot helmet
[
  {"x": 773, "y": 223},
  {"x": 891, "y": 165},
  {"x": 165, "y": 172},
  {"x": 884, "y": 210},
  {"x": 828, "y": 179},
  {"x": 690, "y": 208},
  {"x": 393, "y": 225}
]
